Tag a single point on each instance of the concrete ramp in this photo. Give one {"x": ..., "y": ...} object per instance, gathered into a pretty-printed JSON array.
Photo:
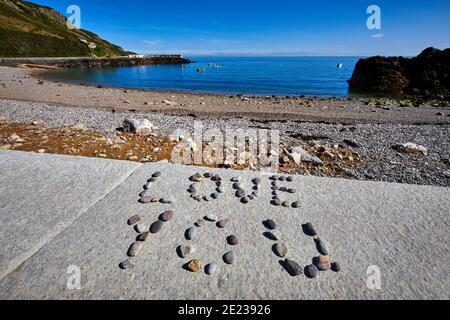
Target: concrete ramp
[{"x": 391, "y": 240}]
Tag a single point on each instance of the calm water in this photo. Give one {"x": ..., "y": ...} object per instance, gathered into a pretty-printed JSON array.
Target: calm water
[{"x": 250, "y": 75}]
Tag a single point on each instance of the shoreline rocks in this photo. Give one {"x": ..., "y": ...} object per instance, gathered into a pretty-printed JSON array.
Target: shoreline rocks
[{"x": 424, "y": 75}]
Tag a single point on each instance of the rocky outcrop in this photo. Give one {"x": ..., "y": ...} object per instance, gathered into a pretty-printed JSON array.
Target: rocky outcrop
[{"x": 428, "y": 74}]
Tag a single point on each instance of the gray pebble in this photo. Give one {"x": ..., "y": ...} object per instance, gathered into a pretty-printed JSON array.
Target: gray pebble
[
  {"x": 311, "y": 271},
  {"x": 135, "y": 248},
  {"x": 282, "y": 178},
  {"x": 140, "y": 227},
  {"x": 134, "y": 219},
  {"x": 151, "y": 180},
  {"x": 321, "y": 247},
  {"x": 286, "y": 204},
  {"x": 146, "y": 199},
  {"x": 257, "y": 180},
  {"x": 228, "y": 257},
  {"x": 219, "y": 189},
  {"x": 335, "y": 266},
  {"x": 156, "y": 174},
  {"x": 185, "y": 251},
  {"x": 211, "y": 268},
  {"x": 291, "y": 190},
  {"x": 166, "y": 216},
  {"x": 270, "y": 224},
  {"x": 235, "y": 179},
  {"x": 296, "y": 204},
  {"x": 256, "y": 193},
  {"x": 237, "y": 185},
  {"x": 223, "y": 223},
  {"x": 245, "y": 200},
  {"x": 280, "y": 249},
  {"x": 211, "y": 217},
  {"x": 214, "y": 195},
  {"x": 232, "y": 240},
  {"x": 192, "y": 190},
  {"x": 145, "y": 193},
  {"x": 156, "y": 226},
  {"x": 167, "y": 199},
  {"x": 143, "y": 236},
  {"x": 276, "y": 202},
  {"x": 309, "y": 229},
  {"x": 199, "y": 223},
  {"x": 207, "y": 198},
  {"x": 240, "y": 193},
  {"x": 127, "y": 264},
  {"x": 293, "y": 268},
  {"x": 191, "y": 232},
  {"x": 290, "y": 179},
  {"x": 272, "y": 236}
]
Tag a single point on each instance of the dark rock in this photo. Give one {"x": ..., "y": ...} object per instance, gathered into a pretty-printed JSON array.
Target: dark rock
[
  {"x": 335, "y": 266},
  {"x": 190, "y": 233},
  {"x": 280, "y": 249},
  {"x": 292, "y": 267},
  {"x": 127, "y": 264},
  {"x": 276, "y": 202},
  {"x": 271, "y": 236},
  {"x": 270, "y": 224},
  {"x": 232, "y": 240},
  {"x": 134, "y": 219},
  {"x": 143, "y": 236},
  {"x": 320, "y": 245},
  {"x": 156, "y": 226},
  {"x": 309, "y": 230},
  {"x": 426, "y": 74},
  {"x": 240, "y": 193},
  {"x": 166, "y": 216},
  {"x": 135, "y": 248},
  {"x": 311, "y": 271},
  {"x": 146, "y": 199},
  {"x": 223, "y": 223},
  {"x": 156, "y": 174},
  {"x": 228, "y": 257}
]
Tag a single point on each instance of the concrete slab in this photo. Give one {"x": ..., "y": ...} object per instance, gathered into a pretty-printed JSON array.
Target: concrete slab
[
  {"x": 400, "y": 229},
  {"x": 42, "y": 194}
]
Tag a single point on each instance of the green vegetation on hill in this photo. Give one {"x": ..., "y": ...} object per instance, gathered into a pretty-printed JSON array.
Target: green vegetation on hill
[{"x": 31, "y": 30}]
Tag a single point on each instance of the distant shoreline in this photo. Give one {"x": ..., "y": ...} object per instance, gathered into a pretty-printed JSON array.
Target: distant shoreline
[{"x": 94, "y": 62}]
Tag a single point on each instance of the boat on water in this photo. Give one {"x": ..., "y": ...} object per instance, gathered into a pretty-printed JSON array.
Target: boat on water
[{"x": 339, "y": 65}]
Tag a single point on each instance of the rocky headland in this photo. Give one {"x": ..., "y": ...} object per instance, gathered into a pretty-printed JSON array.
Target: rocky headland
[{"x": 427, "y": 75}]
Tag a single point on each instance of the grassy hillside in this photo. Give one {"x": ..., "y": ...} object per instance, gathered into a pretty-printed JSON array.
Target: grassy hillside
[{"x": 31, "y": 30}]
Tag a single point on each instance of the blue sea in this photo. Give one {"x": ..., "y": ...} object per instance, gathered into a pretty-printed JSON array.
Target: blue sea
[{"x": 261, "y": 76}]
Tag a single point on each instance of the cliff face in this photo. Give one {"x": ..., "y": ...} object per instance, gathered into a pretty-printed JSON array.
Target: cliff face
[
  {"x": 428, "y": 74},
  {"x": 31, "y": 30}
]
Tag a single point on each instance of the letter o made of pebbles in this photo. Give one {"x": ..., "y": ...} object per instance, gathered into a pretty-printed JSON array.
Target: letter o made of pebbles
[
  {"x": 186, "y": 251},
  {"x": 197, "y": 179}
]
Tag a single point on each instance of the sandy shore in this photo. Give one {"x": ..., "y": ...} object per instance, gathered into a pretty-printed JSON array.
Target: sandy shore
[
  {"x": 369, "y": 131},
  {"x": 28, "y": 84}
]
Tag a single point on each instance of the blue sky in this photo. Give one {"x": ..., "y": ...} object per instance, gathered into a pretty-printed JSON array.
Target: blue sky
[{"x": 265, "y": 27}]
